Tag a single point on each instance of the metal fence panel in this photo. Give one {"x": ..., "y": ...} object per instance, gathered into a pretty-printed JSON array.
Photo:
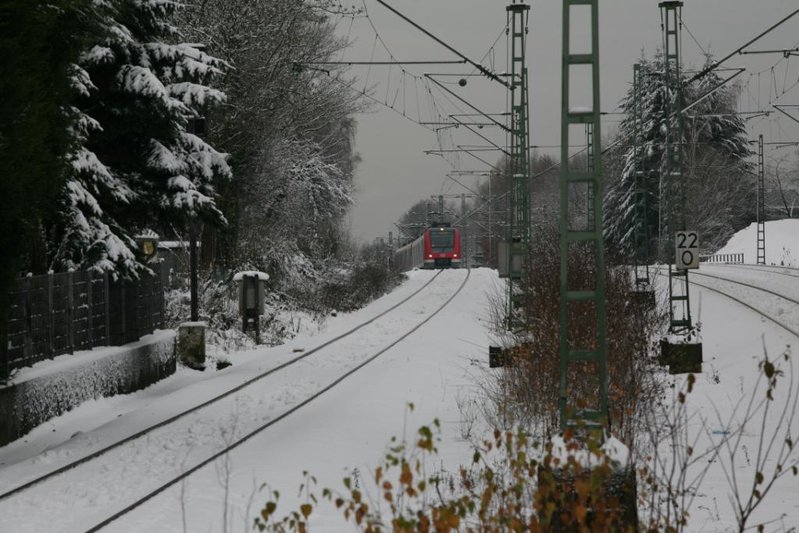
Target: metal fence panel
[{"x": 54, "y": 314}]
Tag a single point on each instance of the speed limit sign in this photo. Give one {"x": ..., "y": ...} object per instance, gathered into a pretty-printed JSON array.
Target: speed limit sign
[{"x": 686, "y": 250}]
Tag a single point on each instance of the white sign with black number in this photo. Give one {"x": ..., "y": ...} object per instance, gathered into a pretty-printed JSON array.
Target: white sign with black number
[{"x": 687, "y": 250}]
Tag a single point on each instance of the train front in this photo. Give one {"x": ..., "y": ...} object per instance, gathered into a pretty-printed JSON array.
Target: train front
[{"x": 442, "y": 247}]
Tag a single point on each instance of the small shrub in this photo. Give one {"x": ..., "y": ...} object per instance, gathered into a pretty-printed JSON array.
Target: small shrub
[{"x": 512, "y": 484}]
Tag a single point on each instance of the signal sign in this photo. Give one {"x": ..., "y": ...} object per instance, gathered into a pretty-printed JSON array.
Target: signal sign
[{"x": 686, "y": 250}]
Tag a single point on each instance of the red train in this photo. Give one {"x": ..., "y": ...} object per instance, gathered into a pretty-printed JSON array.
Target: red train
[{"x": 438, "y": 247}]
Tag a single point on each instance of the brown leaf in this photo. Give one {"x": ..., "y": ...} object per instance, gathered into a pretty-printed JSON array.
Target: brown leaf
[{"x": 406, "y": 477}]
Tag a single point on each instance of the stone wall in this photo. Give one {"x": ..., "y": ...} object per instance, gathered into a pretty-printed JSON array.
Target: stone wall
[{"x": 53, "y": 387}]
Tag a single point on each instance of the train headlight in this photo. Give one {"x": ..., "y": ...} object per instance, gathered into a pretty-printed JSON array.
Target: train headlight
[
  {"x": 430, "y": 256},
  {"x": 454, "y": 255}
]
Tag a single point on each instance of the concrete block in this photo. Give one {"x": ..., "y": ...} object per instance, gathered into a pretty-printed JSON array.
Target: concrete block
[
  {"x": 191, "y": 344},
  {"x": 681, "y": 358}
]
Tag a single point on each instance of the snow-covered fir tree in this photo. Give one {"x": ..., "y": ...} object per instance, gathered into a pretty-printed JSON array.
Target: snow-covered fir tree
[
  {"x": 715, "y": 160},
  {"x": 136, "y": 164}
]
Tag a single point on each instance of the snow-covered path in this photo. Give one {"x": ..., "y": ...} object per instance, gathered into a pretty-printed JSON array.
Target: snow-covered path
[
  {"x": 347, "y": 432},
  {"x": 108, "y": 484}
]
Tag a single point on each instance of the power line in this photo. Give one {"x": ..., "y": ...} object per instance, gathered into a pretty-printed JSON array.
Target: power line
[
  {"x": 393, "y": 62},
  {"x": 684, "y": 25},
  {"x": 715, "y": 64},
  {"x": 786, "y": 52},
  {"x": 477, "y": 66}
]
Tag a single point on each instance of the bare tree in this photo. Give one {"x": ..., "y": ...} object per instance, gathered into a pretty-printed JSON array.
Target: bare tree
[
  {"x": 289, "y": 126},
  {"x": 782, "y": 188}
]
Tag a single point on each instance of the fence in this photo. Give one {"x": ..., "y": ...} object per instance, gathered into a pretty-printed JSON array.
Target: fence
[
  {"x": 722, "y": 258},
  {"x": 54, "y": 314}
]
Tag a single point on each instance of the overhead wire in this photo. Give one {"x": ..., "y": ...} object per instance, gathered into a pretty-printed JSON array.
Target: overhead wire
[
  {"x": 448, "y": 134},
  {"x": 437, "y": 113},
  {"x": 684, "y": 25},
  {"x": 444, "y": 137},
  {"x": 770, "y": 69}
]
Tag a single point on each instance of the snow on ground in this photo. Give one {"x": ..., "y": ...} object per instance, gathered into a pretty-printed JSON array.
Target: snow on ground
[
  {"x": 734, "y": 340},
  {"x": 347, "y": 430},
  {"x": 783, "y": 284},
  {"x": 782, "y": 243},
  {"x": 187, "y": 387},
  {"x": 111, "y": 483}
]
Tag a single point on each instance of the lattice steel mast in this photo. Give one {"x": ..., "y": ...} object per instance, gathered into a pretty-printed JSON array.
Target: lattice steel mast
[
  {"x": 581, "y": 233},
  {"x": 640, "y": 189},
  {"x": 672, "y": 198},
  {"x": 519, "y": 199}
]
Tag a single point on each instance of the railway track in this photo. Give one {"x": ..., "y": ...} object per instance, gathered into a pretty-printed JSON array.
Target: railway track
[
  {"x": 10, "y": 495},
  {"x": 749, "y": 304}
]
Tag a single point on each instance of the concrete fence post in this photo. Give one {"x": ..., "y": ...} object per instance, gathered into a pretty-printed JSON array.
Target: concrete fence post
[
  {"x": 71, "y": 310},
  {"x": 90, "y": 305},
  {"x": 51, "y": 315},
  {"x": 107, "y": 302},
  {"x": 26, "y": 290},
  {"x": 122, "y": 314}
]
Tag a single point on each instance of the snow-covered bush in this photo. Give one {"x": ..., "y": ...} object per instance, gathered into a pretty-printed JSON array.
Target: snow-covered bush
[
  {"x": 513, "y": 483},
  {"x": 358, "y": 283},
  {"x": 219, "y": 308},
  {"x": 291, "y": 303}
]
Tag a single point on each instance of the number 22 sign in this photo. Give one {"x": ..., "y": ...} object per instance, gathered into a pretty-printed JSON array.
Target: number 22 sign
[{"x": 686, "y": 250}]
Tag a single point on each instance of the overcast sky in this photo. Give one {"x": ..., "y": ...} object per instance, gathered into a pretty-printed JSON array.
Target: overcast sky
[{"x": 395, "y": 171}]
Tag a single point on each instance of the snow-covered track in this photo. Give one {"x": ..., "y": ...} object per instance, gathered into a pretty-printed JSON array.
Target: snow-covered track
[
  {"x": 761, "y": 302},
  {"x": 749, "y": 285},
  {"x": 83, "y": 498},
  {"x": 791, "y": 272},
  {"x": 143, "y": 432},
  {"x": 276, "y": 419}
]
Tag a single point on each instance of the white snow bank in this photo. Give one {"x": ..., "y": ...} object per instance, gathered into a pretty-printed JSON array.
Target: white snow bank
[
  {"x": 782, "y": 243},
  {"x": 262, "y": 276}
]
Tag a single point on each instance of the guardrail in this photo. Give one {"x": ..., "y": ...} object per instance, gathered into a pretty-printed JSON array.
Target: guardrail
[{"x": 722, "y": 258}]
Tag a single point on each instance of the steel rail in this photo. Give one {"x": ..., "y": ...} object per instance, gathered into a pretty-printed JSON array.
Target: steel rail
[
  {"x": 744, "y": 284},
  {"x": 740, "y": 301},
  {"x": 749, "y": 306},
  {"x": 275, "y": 420},
  {"x": 141, "y": 433}
]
